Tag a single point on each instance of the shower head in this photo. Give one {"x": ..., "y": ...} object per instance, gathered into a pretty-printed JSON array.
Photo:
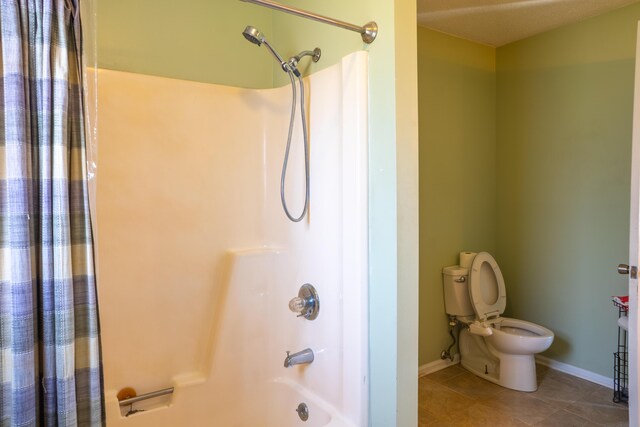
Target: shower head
[{"x": 255, "y": 36}]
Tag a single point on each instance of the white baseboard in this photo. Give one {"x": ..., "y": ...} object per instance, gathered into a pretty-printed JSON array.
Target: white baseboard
[
  {"x": 575, "y": 371},
  {"x": 437, "y": 365}
]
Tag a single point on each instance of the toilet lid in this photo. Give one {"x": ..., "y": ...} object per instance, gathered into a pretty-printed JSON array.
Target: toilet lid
[{"x": 486, "y": 287}]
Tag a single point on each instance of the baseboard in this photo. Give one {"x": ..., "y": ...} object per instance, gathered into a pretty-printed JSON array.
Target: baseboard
[
  {"x": 437, "y": 365},
  {"x": 602, "y": 380},
  {"x": 575, "y": 371}
]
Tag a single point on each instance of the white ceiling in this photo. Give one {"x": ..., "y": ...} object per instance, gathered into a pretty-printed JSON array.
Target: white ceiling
[{"x": 498, "y": 22}]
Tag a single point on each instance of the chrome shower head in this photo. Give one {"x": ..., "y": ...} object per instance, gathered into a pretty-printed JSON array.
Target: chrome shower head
[{"x": 254, "y": 36}]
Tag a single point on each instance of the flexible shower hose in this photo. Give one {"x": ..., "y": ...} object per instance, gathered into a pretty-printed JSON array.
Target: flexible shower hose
[{"x": 306, "y": 149}]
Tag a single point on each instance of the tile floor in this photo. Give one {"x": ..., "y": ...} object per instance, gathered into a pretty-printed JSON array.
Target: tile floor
[{"x": 456, "y": 397}]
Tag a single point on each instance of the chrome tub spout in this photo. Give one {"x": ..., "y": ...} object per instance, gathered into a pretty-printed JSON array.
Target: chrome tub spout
[{"x": 300, "y": 358}]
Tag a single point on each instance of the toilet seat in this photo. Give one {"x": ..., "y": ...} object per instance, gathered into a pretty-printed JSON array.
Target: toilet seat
[
  {"x": 520, "y": 337},
  {"x": 486, "y": 287}
]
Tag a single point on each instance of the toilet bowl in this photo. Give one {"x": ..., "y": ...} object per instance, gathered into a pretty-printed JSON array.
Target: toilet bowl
[
  {"x": 496, "y": 348},
  {"x": 520, "y": 337}
]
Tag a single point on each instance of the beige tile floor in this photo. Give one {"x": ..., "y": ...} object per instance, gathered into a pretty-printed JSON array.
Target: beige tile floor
[{"x": 455, "y": 397}]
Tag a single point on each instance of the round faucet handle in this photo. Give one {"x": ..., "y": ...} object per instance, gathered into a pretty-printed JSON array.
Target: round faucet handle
[
  {"x": 297, "y": 305},
  {"x": 306, "y": 304}
]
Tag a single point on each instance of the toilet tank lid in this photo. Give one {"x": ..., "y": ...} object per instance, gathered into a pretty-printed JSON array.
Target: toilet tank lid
[{"x": 455, "y": 270}]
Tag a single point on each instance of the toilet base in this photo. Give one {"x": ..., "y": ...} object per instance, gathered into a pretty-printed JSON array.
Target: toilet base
[{"x": 513, "y": 371}]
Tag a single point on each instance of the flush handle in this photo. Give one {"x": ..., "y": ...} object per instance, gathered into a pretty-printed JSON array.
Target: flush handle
[
  {"x": 460, "y": 279},
  {"x": 632, "y": 271}
]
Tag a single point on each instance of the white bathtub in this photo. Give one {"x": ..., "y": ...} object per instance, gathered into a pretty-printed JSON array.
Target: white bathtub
[
  {"x": 197, "y": 262},
  {"x": 281, "y": 412},
  {"x": 279, "y": 409}
]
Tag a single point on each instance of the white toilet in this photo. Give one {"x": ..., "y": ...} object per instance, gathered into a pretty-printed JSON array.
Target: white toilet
[{"x": 498, "y": 349}]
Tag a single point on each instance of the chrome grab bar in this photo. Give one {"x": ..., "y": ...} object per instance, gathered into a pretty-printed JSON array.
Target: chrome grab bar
[
  {"x": 150, "y": 395},
  {"x": 368, "y": 32}
]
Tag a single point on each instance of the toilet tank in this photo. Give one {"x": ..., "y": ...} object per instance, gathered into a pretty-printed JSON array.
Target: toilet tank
[{"x": 456, "y": 291}]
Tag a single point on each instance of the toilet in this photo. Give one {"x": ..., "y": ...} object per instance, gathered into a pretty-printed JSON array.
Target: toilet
[{"x": 498, "y": 349}]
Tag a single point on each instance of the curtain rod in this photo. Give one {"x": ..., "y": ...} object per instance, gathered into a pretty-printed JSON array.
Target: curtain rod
[{"x": 368, "y": 32}]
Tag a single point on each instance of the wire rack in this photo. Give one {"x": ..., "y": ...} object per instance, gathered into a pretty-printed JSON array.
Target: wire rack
[{"x": 621, "y": 362}]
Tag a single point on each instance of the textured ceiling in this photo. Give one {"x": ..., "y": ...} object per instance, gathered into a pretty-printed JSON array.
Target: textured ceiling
[{"x": 498, "y": 22}]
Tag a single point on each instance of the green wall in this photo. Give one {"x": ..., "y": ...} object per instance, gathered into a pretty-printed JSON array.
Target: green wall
[
  {"x": 196, "y": 40},
  {"x": 202, "y": 42},
  {"x": 552, "y": 122},
  {"x": 565, "y": 102},
  {"x": 457, "y": 104}
]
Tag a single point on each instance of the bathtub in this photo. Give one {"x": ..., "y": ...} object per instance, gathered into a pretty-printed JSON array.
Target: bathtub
[
  {"x": 286, "y": 397},
  {"x": 197, "y": 262},
  {"x": 277, "y": 411}
]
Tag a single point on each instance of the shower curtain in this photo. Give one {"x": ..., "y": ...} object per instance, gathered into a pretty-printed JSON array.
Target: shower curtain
[{"x": 50, "y": 364}]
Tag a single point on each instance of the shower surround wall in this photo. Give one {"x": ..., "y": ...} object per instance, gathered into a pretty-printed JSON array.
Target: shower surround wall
[{"x": 197, "y": 261}]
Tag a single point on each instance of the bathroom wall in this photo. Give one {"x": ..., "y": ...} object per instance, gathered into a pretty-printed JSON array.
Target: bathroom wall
[
  {"x": 131, "y": 40},
  {"x": 457, "y": 92},
  {"x": 564, "y": 142},
  {"x": 562, "y": 125},
  {"x": 197, "y": 40}
]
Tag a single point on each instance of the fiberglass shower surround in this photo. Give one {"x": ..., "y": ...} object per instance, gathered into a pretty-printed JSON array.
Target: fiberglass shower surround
[
  {"x": 291, "y": 68},
  {"x": 368, "y": 32},
  {"x": 229, "y": 327},
  {"x": 213, "y": 270}
]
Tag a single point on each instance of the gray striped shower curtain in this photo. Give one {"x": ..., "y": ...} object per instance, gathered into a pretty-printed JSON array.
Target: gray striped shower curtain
[{"x": 50, "y": 363}]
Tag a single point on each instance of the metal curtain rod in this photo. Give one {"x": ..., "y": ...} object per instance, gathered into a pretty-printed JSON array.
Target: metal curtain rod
[{"x": 368, "y": 32}]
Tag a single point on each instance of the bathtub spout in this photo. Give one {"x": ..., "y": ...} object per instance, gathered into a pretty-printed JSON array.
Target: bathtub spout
[{"x": 302, "y": 357}]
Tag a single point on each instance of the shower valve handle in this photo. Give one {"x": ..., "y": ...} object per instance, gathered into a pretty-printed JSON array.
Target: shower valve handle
[
  {"x": 298, "y": 305},
  {"x": 307, "y": 303}
]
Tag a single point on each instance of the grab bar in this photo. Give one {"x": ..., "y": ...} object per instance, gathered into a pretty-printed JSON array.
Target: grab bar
[
  {"x": 150, "y": 395},
  {"x": 368, "y": 32}
]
